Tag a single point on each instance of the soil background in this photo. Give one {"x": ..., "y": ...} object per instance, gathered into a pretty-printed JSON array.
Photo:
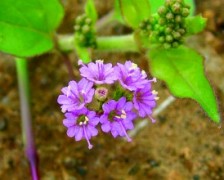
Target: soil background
[{"x": 182, "y": 144}]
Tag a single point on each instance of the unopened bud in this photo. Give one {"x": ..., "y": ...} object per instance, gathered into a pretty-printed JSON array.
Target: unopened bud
[
  {"x": 77, "y": 27},
  {"x": 88, "y": 21},
  {"x": 175, "y": 44},
  {"x": 178, "y": 19},
  {"x": 181, "y": 31},
  {"x": 168, "y": 30},
  {"x": 176, "y": 8},
  {"x": 162, "y": 11},
  {"x": 168, "y": 2},
  {"x": 169, "y": 38},
  {"x": 185, "y": 12},
  {"x": 101, "y": 93},
  {"x": 79, "y": 19},
  {"x": 166, "y": 45},
  {"x": 85, "y": 29},
  {"x": 176, "y": 35},
  {"x": 162, "y": 21},
  {"x": 161, "y": 39},
  {"x": 169, "y": 16}
]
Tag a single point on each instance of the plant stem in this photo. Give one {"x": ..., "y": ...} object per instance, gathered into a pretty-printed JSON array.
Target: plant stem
[
  {"x": 124, "y": 43},
  {"x": 30, "y": 150}
]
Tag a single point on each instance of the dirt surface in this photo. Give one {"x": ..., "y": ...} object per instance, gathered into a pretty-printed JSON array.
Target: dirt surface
[{"x": 182, "y": 144}]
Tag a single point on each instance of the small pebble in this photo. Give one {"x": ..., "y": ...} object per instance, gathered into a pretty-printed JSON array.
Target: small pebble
[
  {"x": 153, "y": 163},
  {"x": 70, "y": 163},
  {"x": 3, "y": 124},
  {"x": 81, "y": 170},
  {"x": 134, "y": 169},
  {"x": 196, "y": 177}
]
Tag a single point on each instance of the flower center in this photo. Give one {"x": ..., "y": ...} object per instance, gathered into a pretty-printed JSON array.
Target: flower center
[
  {"x": 82, "y": 120},
  {"x": 117, "y": 115}
]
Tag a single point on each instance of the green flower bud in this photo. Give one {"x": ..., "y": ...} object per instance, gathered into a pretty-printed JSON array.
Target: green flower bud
[
  {"x": 176, "y": 35},
  {"x": 175, "y": 44},
  {"x": 182, "y": 31},
  {"x": 178, "y": 19},
  {"x": 169, "y": 2},
  {"x": 162, "y": 11},
  {"x": 77, "y": 28},
  {"x": 162, "y": 21},
  {"x": 168, "y": 30},
  {"x": 79, "y": 19},
  {"x": 149, "y": 27},
  {"x": 88, "y": 21},
  {"x": 176, "y": 8},
  {"x": 185, "y": 12},
  {"x": 167, "y": 45},
  {"x": 169, "y": 16},
  {"x": 85, "y": 29},
  {"x": 161, "y": 39},
  {"x": 169, "y": 38}
]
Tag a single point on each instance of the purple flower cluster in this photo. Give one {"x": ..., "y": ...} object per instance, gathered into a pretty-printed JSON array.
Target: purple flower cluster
[{"x": 92, "y": 102}]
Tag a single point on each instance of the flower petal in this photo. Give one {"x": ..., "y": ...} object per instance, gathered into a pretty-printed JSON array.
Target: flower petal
[
  {"x": 79, "y": 134},
  {"x": 106, "y": 127}
]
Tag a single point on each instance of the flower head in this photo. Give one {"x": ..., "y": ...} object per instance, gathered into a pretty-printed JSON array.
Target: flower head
[
  {"x": 144, "y": 101},
  {"x": 115, "y": 95},
  {"x": 130, "y": 76},
  {"x": 98, "y": 72},
  {"x": 117, "y": 117},
  {"x": 81, "y": 124},
  {"x": 76, "y": 95}
]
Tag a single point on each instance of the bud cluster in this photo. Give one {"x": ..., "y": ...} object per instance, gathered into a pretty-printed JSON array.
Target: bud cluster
[
  {"x": 84, "y": 31},
  {"x": 107, "y": 97},
  {"x": 168, "y": 27},
  {"x": 147, "y": 26}
]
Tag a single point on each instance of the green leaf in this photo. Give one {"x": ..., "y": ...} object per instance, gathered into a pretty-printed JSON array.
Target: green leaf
[
  {"x": 27, "y": 26},
  {"x": 155, "y": 4},
  {"x": 132, "y": 12},
  {"x": 90, "y": 10},
  {"x": 117, "y": 12},
  {"x": 182, "y": 69},
  {"x": 195, "y": 24}
]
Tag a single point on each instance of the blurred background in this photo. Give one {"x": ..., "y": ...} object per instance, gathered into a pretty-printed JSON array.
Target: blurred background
[{"x": 182, "y": 144}]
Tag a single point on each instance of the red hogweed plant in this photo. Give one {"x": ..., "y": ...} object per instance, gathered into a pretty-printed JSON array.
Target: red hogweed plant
[{"x": 108, "y": 97}]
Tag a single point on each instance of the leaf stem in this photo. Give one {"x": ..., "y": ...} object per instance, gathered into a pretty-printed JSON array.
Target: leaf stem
[{"x": 28, "y": 140}]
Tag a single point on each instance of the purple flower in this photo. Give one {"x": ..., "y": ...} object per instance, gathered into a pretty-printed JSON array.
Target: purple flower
[
  {"x": 117, "y": 117},
  {"x": 144, "y": 101},
  {"x": 98, "y": 72},
  {"x": 81, "y": 124},
  {"x": 130, "y": 76},
  {"x": 76, "y": 95}
]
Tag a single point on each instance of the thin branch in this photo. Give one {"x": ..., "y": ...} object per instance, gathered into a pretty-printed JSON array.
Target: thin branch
[{"x": 157, "y": 111}]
